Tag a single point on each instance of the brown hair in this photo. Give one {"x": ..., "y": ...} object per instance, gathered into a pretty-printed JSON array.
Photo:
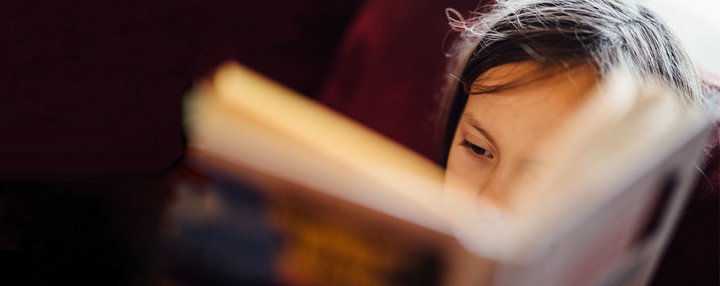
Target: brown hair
[{"x": 560, "y": 34}]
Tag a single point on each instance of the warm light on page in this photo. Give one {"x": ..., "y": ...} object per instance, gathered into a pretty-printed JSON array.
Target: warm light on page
[{"x": 267, "y": 126}]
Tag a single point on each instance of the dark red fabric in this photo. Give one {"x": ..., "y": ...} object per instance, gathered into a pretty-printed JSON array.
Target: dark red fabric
[
  {"x": 390, "y": 68},
  {"x": 93, "y": 88}
]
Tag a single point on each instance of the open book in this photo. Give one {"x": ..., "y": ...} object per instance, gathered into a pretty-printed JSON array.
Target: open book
[{"x": 338, "y": 204}]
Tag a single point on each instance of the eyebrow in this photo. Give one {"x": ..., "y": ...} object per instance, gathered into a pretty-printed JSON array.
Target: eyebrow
[{"x": 476, "y": 125}]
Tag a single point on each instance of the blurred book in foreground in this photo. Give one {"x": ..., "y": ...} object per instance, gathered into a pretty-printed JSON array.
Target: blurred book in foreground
[{"x": 286, "y": 191}]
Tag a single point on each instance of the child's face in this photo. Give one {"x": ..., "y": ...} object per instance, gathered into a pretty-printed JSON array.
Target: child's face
[{"x": 495, "y": 137}]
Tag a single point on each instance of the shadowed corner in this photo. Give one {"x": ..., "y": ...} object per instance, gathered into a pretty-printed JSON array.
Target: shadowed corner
[{"x": 81, "y": 233}]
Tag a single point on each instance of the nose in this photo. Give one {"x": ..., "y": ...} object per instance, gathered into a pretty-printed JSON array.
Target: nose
[
  {"x": 503, "y": 182},
  {"x": 496, "y": 189}
]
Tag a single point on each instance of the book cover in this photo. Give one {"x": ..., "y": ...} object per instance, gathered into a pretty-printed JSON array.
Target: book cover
[{"x": 287, "y": 191}]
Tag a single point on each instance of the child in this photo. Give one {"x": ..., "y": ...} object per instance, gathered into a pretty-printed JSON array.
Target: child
[{"x": 521, "y": 67}]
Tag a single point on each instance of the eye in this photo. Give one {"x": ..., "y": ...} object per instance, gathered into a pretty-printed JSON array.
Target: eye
[{"x": 477, "y": 149}]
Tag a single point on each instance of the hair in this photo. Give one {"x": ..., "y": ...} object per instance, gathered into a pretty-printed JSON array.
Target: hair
[{"x": 560, "y": 35}]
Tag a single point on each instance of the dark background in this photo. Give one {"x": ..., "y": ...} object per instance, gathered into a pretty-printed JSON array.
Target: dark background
[
  {"x": 91, "y": 121},
  {"x": 94, "y": 87}
]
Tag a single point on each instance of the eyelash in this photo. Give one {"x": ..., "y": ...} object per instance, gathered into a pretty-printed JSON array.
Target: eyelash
[{"x": 477, "y": 150}]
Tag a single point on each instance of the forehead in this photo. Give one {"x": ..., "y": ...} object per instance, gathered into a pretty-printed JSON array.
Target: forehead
[{"x": 525, "y": 113}]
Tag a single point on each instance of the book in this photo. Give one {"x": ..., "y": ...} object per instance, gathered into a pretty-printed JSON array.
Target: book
[{"x": 283, "y": 190}]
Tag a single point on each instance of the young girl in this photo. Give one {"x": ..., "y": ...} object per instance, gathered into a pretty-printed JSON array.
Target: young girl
[{"x": 521, "y": 67}]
